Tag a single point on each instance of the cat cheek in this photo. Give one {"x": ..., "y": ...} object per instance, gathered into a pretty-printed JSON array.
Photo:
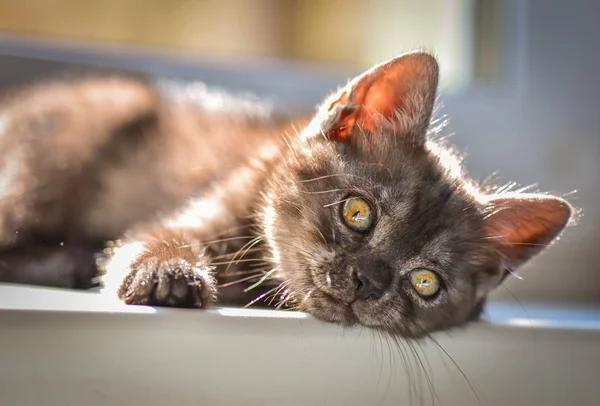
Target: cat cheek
[
  {"x": 486, "y": 281},
  {"x": 335, "y": 280}
]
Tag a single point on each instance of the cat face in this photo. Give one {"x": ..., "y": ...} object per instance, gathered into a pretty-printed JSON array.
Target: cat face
[{"x": 372, "y": 224}]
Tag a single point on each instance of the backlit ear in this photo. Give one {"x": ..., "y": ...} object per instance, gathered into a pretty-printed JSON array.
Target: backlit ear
[
  {"x": 399, "y": 93},
  {"x": 523, "y": 225}
]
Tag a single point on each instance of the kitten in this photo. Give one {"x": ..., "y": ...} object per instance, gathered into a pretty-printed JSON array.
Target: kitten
[{"x": 357, "y": 215}]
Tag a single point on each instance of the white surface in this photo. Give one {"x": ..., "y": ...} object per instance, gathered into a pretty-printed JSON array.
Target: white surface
[{"x": 67, "y": 348}]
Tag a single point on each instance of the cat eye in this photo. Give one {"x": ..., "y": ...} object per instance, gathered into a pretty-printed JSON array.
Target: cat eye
[
  {"x": 425, "y": 282},
  {"x": 357, "y": 214}
]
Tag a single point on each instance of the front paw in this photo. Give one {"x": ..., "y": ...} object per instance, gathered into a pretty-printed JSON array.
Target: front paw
[{"x": 177, "y": 281}]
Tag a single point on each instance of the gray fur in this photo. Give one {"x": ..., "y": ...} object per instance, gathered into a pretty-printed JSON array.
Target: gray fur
[{"x": 200, "y": 195}]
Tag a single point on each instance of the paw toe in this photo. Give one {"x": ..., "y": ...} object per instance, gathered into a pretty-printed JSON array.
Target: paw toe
[
  {"x": 180, "y": 286},
  {"x": 163, "y": 287}
]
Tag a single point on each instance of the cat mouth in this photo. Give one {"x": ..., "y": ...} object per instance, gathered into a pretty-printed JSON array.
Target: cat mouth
[
  {"x": 341, "y": 307},
  {"x": 366, "y": 312},
  {"x": 328, "y": 308},
  {"x": 363, "y": 312}
]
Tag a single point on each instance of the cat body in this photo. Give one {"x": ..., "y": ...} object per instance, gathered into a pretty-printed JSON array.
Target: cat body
[
  {"x": 356, "y": 215},
  {"x": 91, "y": 159}
]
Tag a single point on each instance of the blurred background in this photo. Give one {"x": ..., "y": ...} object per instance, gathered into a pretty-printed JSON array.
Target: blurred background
[{"x": 519, "y": 79}]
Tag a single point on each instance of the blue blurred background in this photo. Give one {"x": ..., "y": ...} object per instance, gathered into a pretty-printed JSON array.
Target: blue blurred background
[{"x": 519, "y": 79}]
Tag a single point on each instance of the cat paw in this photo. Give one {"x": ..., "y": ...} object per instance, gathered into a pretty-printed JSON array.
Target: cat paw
[{"x": 174, "y": 282}]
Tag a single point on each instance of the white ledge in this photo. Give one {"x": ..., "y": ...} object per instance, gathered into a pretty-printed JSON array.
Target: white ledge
[{"x": 78, "y": 348}]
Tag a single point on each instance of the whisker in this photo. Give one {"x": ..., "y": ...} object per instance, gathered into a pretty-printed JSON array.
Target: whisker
[
  {"x": 290, "y": 298},
  {"x": 522, "y": 307},
  {"x": 322, "y": 192},
  {"x": 282, "y": 303},
  {"x": 457, "y": 367},
  {"x": 529, "y": 244},
  {"x": 234, "y": 261},
  {"x": 390, "y": 359},
  {"x": 239, "y": 273},
  {"x": 338, "y": 202},
  {"x": 493, "y": 237},
  {"x": 228, "y": 239},
  {"x": 301, "y": 305},
  {"x": 259, "y": 297},
  {"x": 408, "y": 369},
  {"x": 322, "y": 236},
  {"x": 249, "y": 244},
  {"x": 513, "y": 273},
  {"x": 261, "y": 280},
  {"x": 281, "y": 287},
  {"x": 334, "y": 175},
  {"x": 284, "y": 297},
  {"x": 252, "y": 244},
  {"x": 233, "y": 253},
  {"x": 248, "y": 278},
  {"x": 428, "y": 378}
]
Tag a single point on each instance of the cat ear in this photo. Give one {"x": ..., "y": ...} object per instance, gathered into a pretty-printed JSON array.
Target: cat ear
[
  {"x": 400, "y": 92},
  {"x": 522, "y": 225}
]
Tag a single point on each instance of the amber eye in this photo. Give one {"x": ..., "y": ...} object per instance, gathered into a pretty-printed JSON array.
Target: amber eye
[
  {"x": 357, "y": 214},
  {"x": 425, "y": 282}
]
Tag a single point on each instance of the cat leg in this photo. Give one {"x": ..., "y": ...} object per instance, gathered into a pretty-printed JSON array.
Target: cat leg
[
  {"x": 54, "y": 266},
  {"x": 179, "y": 273}
]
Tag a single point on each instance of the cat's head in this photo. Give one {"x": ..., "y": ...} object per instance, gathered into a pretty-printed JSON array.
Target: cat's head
[{"x": 371, "y": 223}]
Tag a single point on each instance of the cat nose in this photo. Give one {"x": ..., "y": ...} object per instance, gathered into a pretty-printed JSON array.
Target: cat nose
[{"x": 371, "y": 285}]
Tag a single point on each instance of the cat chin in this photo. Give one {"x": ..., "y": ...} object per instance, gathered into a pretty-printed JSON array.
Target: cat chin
[
  {"x": 326, "y": 308},
  {"x": 368, "y": 313}
]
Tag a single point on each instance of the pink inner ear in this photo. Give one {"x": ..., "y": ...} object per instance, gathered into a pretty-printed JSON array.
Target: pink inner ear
[
  {"x": 522, "y": 226},
  {"x": 380, "y": 93},
  {"x": 384, "y": 96}
]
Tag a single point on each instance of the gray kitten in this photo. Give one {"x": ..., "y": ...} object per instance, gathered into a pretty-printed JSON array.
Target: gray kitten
[{"x": 355, "y": 216}]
